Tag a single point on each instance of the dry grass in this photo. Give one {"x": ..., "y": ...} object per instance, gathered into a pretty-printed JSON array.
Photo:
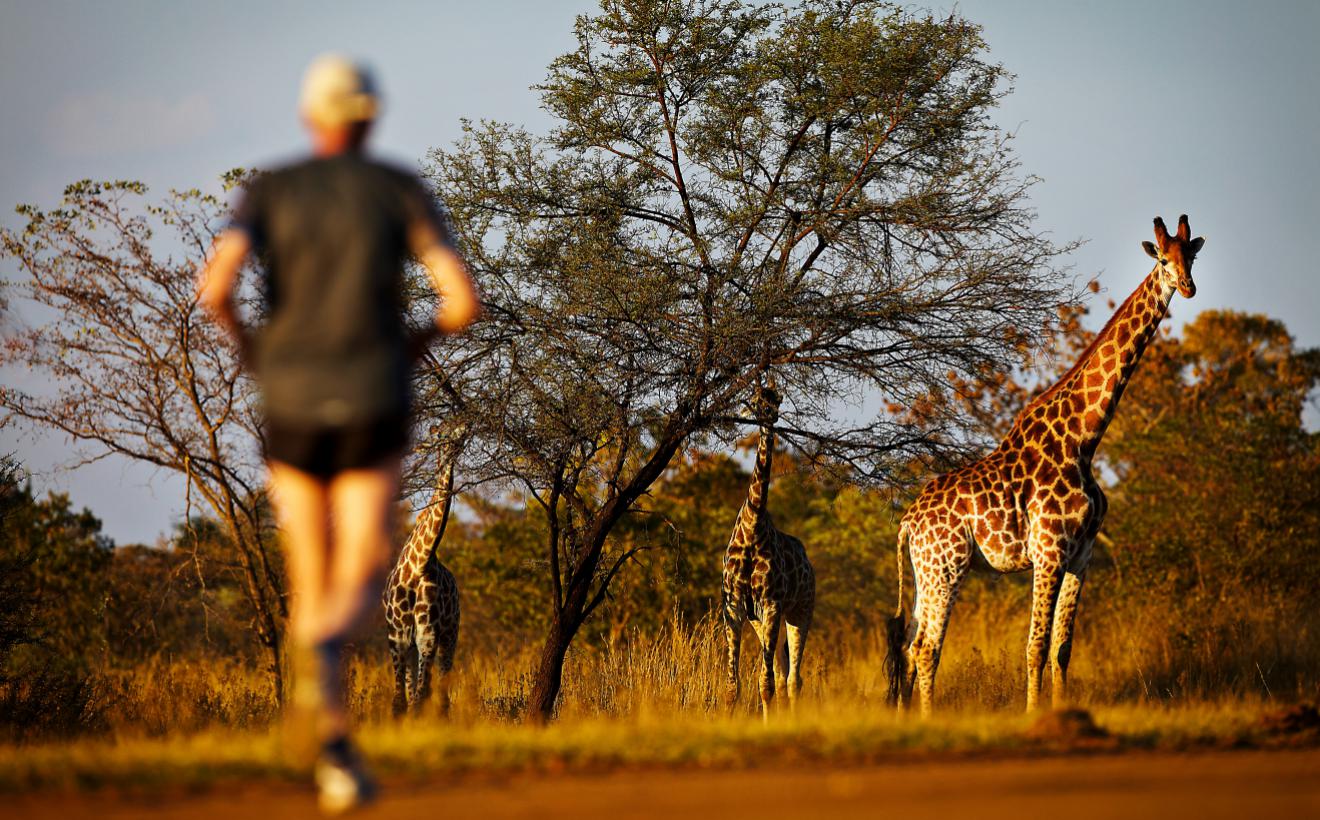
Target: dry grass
[
  {"x": 656, "y": 700},
  {"x": 425, "y": 747},
  {"x": 679, "y": 671}
]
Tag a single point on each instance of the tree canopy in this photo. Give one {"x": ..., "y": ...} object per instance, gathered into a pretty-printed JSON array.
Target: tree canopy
[
  {"x": 731, "y": 190},
  {"x": 132, "y": 366}
]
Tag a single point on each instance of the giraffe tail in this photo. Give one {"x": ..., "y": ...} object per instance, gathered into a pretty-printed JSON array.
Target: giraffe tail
[{"x": 896, "y": 629}]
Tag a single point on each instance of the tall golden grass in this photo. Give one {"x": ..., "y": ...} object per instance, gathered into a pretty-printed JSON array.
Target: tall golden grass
[
  {"x": 1131, "y": 656},
  {"x": 657, "y": 698}
]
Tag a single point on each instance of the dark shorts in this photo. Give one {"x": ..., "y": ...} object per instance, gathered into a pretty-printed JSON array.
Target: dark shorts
[{"x": 328, "y": 451}]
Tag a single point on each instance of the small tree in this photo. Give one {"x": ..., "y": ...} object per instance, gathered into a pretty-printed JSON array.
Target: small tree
[
  {"x": 134, "y": 368},
  {"x": 730, "y": 190}
]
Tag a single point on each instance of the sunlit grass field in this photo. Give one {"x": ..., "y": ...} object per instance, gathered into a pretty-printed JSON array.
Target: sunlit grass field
[
  {"x": 657, "y": 700},
  {"x": 428, "y": 748}
]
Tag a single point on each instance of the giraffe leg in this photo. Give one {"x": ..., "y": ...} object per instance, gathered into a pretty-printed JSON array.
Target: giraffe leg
[
  {"x": 796, "y": 644},
  {"x": 399, "y": 646},
  {"x": 913, "y": 638},
  {"x": 781, "y": 664},
  {"x": 1061, "y": 636},
  {"x": 426, "y": 646},
  {"x": 769, "y": 642},
  {"x": 733, "y": 637},
  {"x": 441, "y": 685},
  {"x": 936, "y": 590},
  {"x": 1046, "y": 581},
  {"x": 445, "y": 664},
  {"x": 929, "y": 640},
  {"x": 410, "y": 672}
]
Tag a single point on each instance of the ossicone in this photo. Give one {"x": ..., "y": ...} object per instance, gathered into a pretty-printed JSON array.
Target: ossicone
[{"x": 1161, "y": 232}]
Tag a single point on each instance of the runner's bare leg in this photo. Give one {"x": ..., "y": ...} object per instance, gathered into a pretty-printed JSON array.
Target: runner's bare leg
[
  {"x": 302, "y": 504},
  {"x": 363, "y": 508}
]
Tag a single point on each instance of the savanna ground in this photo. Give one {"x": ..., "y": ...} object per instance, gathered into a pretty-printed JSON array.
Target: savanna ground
[{"x": 647, "y": 706}]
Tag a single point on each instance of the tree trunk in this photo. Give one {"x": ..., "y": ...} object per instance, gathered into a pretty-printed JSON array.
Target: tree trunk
[
  {"x": 567, "y": 619},
  {"x": 550, "y": 671},
  {"x": 266, "y": 617},
  {"x": 575, "y": 609},
  {"x": 276, "y": 652}
]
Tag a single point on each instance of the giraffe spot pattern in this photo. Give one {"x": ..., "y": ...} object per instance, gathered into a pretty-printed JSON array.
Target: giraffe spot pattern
[
  {"x": 422, "y": 603},
  {"x": 1030, "y": 504},
  {"x": 768, "y": 581}
]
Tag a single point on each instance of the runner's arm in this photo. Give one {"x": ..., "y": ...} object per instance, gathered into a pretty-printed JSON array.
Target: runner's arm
[
  {"x": 459, "y": 305},
  {"x": 217, "y": 279}
]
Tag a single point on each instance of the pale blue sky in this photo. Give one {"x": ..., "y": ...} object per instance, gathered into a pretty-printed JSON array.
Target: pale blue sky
[{"x": 1126, "y": 109}]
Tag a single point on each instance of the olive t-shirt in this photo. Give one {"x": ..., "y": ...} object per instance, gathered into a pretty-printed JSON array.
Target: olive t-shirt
[{"x": 332, "y": 235}]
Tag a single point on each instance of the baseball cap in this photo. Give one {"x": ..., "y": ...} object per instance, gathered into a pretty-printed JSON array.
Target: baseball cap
[{"x": 337, "y": 91}]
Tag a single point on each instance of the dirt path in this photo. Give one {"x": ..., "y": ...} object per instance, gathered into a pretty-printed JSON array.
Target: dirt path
[{"x": 1254, "y": 785}]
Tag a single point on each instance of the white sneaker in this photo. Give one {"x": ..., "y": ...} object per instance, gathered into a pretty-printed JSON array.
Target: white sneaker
[{"x": 342, "y": 787}]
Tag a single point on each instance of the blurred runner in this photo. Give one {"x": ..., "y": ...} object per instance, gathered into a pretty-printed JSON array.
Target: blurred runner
[{"x": 332, "y": 363}]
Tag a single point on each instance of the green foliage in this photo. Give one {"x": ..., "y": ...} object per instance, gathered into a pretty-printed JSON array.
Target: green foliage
[
  {"x": 682, "y": 532},
  {"x": 850, "y": 538},
  {"x": 1217, "y": 492},
  {"x": 19, "y": 616},
  {"x": 180, "y": 599},
  {"x": 59, "y": 557},
  {"x": 52, "y": 602},
  {"x": 95, "y": 605},
  {"x": 497, "y": 552},
  {"x": 75, "y": 611}
]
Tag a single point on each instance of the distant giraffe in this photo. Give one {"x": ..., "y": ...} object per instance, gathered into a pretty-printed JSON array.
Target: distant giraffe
[
  {"x": 767, "y": 577},
  {"x": 1033, "y": 503},
  {"x": 421, "y": 596}
]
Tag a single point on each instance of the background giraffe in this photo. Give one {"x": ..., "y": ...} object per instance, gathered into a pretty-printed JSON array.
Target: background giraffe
[
  {"x": 421, "y": 596},
  {"x": 1033, "y": 502},
  {"x": 767, "y": 577}
]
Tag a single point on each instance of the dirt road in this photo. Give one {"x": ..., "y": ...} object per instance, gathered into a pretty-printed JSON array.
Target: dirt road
[{"x": 1254, "y": 785}]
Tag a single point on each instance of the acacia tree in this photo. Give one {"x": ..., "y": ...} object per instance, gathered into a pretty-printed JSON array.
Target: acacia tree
[
  {"x": 730, "y": 190},
  {"x": 132, "y": 366}
]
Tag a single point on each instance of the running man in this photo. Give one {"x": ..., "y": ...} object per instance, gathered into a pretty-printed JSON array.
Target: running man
[{"x": 332, "y": 363}]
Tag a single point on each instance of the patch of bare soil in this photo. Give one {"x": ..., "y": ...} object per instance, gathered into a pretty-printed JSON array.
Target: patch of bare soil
[
  {"x": 1227, "y": 784},
  {"x": 1294, "y": 726},
  {"x": 1069, "y": 728}
]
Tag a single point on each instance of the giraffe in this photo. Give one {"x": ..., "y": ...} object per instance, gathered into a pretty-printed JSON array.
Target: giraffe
[
  {"x": 767, "y": 577},
  {"x": 421, "y": 596},
  {"x": 1033, "y": 503}
]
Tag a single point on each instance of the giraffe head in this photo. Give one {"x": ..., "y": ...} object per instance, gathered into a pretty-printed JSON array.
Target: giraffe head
[
  {"x": 1175, "y": 253},
  {"x": 449, "y": 438},
  {"x": 767, "y": 401}
]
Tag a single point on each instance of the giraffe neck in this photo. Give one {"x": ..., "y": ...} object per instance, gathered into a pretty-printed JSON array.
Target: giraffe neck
[
  {"x": 431, "y": 521},
  {"x": 1088, "y": 394},
  {"x": 754, "y": 509}
]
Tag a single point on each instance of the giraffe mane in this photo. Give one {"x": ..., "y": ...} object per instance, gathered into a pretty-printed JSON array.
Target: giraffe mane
[{"x": 1077, "y": 367}]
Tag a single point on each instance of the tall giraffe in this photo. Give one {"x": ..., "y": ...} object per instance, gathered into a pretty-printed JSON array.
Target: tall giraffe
[
  {"x": 1033, "y": 503},
  {"x": 767, "y": 577},
  {"x": 421, "y": 596}
]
